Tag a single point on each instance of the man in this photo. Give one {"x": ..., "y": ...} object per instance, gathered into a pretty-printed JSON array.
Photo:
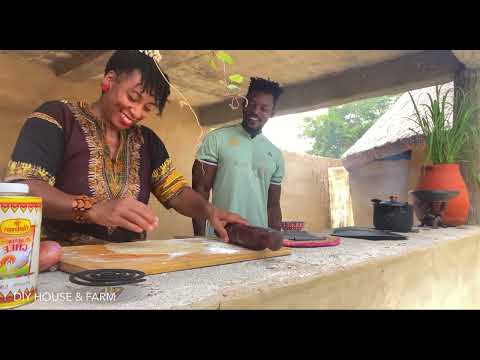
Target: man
[{"x": 244, "y": 169}]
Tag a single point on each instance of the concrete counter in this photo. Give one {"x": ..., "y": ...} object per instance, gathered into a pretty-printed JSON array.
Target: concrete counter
[{"x": 434, "y": 268}]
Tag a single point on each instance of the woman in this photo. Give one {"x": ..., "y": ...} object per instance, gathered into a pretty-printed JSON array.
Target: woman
[{"x": 95, "y": 166}]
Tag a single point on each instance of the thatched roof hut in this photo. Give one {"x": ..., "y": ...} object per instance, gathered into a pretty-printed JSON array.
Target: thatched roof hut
[{"x": 394, "y": 132}]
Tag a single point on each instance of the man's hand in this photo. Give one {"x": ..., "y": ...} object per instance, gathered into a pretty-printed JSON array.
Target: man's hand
[
  {"x": 127, "y": 213},
  {"x": 218, "y": 218}
]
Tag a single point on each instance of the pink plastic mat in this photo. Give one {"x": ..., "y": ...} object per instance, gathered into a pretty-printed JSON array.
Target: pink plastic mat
[{"x": 329, "y": 241}]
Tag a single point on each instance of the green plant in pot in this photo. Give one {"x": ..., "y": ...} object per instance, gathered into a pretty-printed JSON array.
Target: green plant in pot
[{"x": 447, "y": 125}]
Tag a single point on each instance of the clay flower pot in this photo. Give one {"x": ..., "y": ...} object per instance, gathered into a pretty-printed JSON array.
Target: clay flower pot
[{"x": 447, "y": 177}]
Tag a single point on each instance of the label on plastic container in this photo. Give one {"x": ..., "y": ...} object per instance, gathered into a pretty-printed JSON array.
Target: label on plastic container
[{"x": 20, "y": 221}]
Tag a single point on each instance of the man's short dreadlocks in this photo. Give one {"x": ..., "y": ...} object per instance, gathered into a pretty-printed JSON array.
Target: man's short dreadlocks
[{"x": 265, "y": 86}]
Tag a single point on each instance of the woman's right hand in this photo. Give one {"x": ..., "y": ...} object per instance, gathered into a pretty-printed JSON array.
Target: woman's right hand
[{"x": 127, "y": 213}]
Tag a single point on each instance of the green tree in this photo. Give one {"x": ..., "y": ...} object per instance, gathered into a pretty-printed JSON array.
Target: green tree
[{"x": 334, "y": 132}]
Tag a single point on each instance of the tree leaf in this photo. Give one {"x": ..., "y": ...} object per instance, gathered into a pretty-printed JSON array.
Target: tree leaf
[
  {"x": 236, "y": 78},
  {"x": 334, "y": 132},
  {"x": 224, "y": 57},
  {"x": 233, "y": 87}
]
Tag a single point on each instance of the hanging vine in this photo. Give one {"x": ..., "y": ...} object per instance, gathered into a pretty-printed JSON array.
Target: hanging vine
[{"x": 231, "y": 82}]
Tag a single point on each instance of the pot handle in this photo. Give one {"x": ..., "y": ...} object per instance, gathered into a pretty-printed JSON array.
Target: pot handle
[{"x": 394, "y": 198}]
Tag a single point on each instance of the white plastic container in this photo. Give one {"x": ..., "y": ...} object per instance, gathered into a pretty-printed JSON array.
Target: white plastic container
[{"x": 20, "y": 227}]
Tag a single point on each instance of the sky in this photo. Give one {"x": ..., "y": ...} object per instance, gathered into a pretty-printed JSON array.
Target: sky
[{"x": 284, "y": 131}]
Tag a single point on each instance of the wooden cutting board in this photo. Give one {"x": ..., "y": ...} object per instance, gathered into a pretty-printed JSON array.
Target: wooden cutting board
[{"x": 159, "y": 256}]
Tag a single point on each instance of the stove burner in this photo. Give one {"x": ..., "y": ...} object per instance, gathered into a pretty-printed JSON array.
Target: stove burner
[
  {"x": 433, "y": 215},
  {"x": 430, "y": 206},
  {"x": 107, "y": 277}
]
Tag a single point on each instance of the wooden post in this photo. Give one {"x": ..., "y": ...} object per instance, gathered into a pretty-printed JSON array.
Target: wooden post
[
  {"x": 341, "y": 212},
  {"x": 468, "y": 79}
]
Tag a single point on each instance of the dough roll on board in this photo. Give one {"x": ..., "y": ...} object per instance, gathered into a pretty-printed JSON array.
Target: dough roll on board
[{"x": 254, "y": 237}]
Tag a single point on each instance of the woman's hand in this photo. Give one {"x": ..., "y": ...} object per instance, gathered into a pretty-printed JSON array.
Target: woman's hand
[
  {"x": 127, "y": 213},
  {"x": 218, "y": 218}
]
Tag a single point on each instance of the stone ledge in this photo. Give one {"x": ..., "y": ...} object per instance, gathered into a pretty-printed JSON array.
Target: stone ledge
[{"x": 413, "y": 273}]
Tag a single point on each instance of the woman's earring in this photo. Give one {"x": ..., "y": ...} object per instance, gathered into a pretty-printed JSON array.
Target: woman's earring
[{"x": 105, "y": 87}]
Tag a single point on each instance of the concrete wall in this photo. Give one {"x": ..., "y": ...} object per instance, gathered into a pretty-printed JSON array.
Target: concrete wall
[
  {"x": 380, "y": 179},
  {"x": 25, "y": 85},
  {"x": 438, "y": 277},
  {"x": 305, "y": 194},
  {"x": 415, "y": 165}
]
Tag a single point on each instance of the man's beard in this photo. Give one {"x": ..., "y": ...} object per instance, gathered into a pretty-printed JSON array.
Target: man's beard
[{"x": 252, "y": 132}]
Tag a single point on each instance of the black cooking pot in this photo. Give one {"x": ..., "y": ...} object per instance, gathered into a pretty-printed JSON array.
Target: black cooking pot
[{"x": 392, "y": 215}]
